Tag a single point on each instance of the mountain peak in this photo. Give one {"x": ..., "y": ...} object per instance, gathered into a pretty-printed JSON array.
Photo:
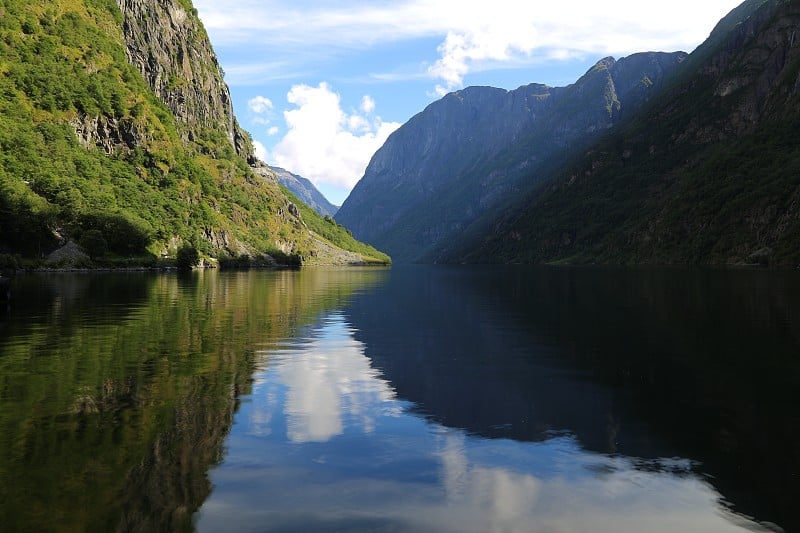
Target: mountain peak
[
  {"x": 439, "y": 171},
  {"x": 305, "y": 191}
]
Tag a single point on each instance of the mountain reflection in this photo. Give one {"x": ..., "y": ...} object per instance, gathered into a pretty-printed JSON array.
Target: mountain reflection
[
  {"x": 324, "y": 443},
  {"x": 430, "y": 399},
  {"x": 639, "y": 363}
]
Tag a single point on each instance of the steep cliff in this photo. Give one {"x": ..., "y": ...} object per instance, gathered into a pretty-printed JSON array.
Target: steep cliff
[
  {"x": 472, "y": 150},
  {"x": 117, "y": 133},
  {"x": 709, "y": 174},
  {"x": 168, "y": 45}
]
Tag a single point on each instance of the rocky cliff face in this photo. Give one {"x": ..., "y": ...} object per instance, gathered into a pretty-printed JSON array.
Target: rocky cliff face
[
  {"x": 110, "y": 134},
  {"x": 753, "y": 71},
  {"x": 473, "y": 149},
  {"x": 167, "y": 43}
]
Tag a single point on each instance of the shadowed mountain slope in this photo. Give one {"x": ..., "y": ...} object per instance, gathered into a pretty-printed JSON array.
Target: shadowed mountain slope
[
  {"x": 468, "y": 152},
  {"x": 708, "y": 173}
]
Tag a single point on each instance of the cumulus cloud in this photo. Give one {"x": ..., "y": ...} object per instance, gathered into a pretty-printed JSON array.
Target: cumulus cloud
[
  {"x": 367, "y": 104},
  {"x": 260, "y": 108},
  {"x": 273, "y": 131},
  {"x": 504, "y": 30},
  {"x": 471, "y": 34},
  {"x": 260, "y": 105},
  {"x": 324, "y": 143}
]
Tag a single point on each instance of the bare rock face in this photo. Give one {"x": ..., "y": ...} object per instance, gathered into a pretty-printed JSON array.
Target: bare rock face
[
  {"x": 68, "y": 255},
  {"x": 108, "y": 133},
  {"x": 754, "y": 71},
  {"x": 170, "y": 48}
]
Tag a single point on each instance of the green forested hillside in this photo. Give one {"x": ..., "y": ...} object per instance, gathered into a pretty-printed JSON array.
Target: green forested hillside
[{"x": 89, "y": 153}]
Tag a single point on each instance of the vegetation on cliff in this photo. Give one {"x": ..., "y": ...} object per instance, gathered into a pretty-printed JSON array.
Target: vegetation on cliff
[
  {"x": 333, "y": 232},
  {"x": 88, "y": 144}
]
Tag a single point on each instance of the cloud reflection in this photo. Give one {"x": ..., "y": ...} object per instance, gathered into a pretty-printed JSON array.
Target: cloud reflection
[
  {"x": 590, "y": 492},
  {"x": 400, "y": 472},
  {"x": 328, "y": 383}
]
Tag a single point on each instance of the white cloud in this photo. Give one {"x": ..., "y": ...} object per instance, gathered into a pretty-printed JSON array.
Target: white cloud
[
  {"x": 260, "y": 150},
  {"x": 470, "y": 33},
  {"x": 367, "y": 104},
  {"x": 504, "y": 31},
  {"x": 260, "y": 105},
  {"x": 325, "y": 144},
  {"x": 273, "y": 131}
]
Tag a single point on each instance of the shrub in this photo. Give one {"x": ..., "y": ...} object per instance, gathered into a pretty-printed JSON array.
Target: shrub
[
  {"x": 93, "y": 242},
  {"x": 187, "y": 258},
  {"x": 10, "y": 262}
]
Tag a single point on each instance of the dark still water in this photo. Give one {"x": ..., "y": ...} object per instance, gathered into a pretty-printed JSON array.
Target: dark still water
[{"x": 411, "y": 399}]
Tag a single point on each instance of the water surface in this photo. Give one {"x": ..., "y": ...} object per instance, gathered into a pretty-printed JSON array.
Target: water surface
[{"x": 411, "y": 399}]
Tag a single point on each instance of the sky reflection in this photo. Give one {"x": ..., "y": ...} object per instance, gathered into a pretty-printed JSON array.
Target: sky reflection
[{"x": 323, "y": 442}]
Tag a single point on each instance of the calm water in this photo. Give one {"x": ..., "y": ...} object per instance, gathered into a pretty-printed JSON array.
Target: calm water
[{"x": 411, "y": 399}]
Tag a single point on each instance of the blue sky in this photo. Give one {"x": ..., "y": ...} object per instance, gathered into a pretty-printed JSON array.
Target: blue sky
[{"x": 320, "y": 84}]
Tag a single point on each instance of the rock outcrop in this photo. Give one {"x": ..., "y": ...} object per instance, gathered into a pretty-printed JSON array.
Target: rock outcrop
[
  {"x": 170, "y": 48},
  {"x": 110, "y": 134},
  {"x": 68, "y": 255}
]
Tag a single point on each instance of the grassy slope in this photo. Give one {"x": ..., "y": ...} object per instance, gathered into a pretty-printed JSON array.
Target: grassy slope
[{"x": 336, "y": 234}]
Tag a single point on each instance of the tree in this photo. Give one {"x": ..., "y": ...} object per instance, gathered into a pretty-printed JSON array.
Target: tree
[{"x": 94, "y": 243}]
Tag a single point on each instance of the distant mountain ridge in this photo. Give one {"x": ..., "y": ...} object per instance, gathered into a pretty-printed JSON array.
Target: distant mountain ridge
[
  {"x": 710, "y": 173},
  {"x": 468, "y": 152},
  {"x": 305, "y": 191}
]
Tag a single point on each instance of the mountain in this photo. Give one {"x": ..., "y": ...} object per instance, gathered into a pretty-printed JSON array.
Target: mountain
[
  {"x": 117, "y": 135},
  {"x": 305, "y": 191},
  {"x": 708, "y": 173},
  {"x": 468, "y": 152}
]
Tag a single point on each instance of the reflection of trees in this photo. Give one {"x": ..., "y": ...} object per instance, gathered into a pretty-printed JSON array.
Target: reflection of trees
[
  {"x": 117, "y": 391},
  {"x": 647, "y": 363},
  {"x": 461, "y": 362}
]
